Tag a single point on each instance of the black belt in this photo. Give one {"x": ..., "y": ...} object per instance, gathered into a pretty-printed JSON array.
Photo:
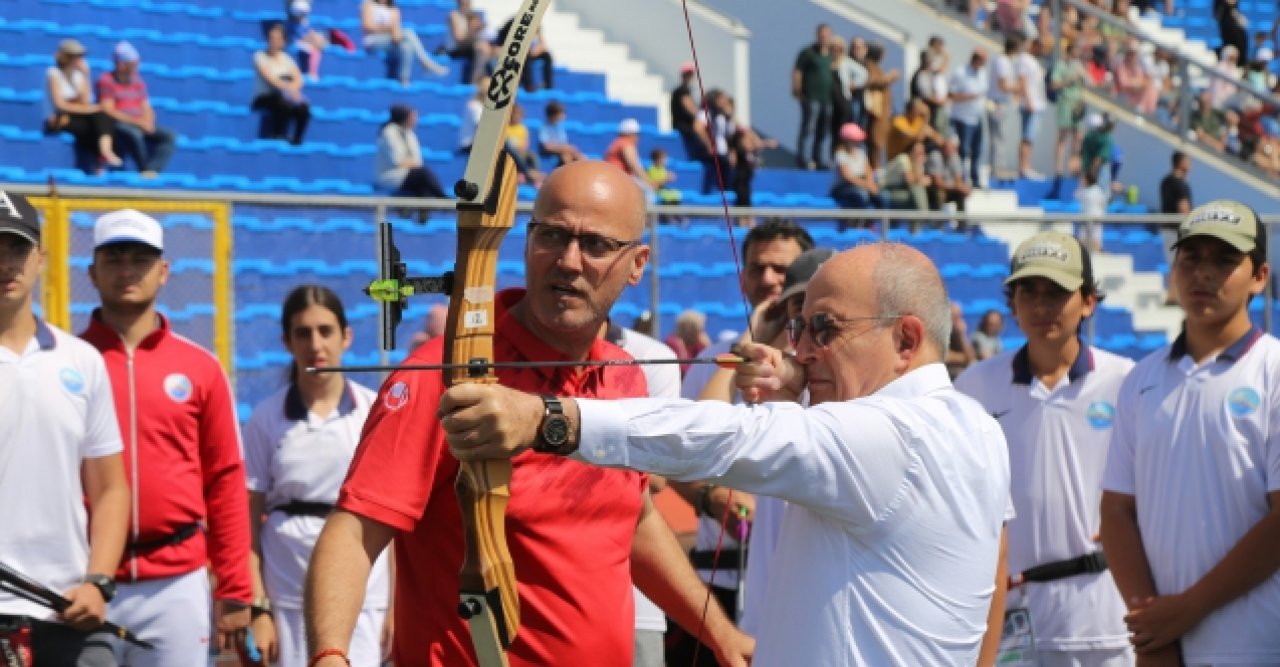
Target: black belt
[
  {"x": 706, "y": 560},
  {"x": 182, "y": 534},
  {"x": 304, "y": 508},
  {"x": 1061, "y": 569}
]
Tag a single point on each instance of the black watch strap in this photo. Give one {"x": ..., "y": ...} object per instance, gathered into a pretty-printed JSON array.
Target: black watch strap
[
  {"x": 106, "y": 585},
  {"x": 553, "y": 432}
]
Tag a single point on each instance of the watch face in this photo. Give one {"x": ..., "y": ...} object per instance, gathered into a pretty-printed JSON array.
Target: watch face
[{"x": 555, "y": 430}]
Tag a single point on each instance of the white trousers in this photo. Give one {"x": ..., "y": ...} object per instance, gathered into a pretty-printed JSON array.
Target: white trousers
[
  {"x": 366, "y": 642},
  {"x": 173, "y": 613}
]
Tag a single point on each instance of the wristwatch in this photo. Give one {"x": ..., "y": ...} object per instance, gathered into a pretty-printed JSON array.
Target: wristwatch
[
  {"x": 106, "y": 585},
  {"x": 553, "y": 433}
]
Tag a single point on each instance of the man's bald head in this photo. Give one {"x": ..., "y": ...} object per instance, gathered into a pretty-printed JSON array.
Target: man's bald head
[
  {"x": 599, "y": 186},
  {"x": 896, "y": 280}
]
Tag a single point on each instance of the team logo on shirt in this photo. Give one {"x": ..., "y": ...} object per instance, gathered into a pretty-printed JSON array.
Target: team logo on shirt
[
  {"x": 397, "y": 396},
  {"x": 178, "y": 387},
  {"x": 71, "y": 380},
  {"x": 1100, "y": 415},
  {"x": 1243, "y": 401}
]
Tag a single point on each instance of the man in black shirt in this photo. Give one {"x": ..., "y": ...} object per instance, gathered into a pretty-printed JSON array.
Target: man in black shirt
[
  {"x": 812, "y": 84},
  {"x": 1175, "y": 197},
  {"x": 683, "y": 113}
]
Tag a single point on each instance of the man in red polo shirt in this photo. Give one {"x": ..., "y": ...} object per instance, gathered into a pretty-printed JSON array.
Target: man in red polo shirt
[
  {"x": 123, "y": 96},
  {"x": 577, "y": 535}
]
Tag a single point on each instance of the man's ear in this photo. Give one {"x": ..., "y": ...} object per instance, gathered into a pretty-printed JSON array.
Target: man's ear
[
  {"x": 910, "y": 337},
  {"x": 638, "y": 264}
]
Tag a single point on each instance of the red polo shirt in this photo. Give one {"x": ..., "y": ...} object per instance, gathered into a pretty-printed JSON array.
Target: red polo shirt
[{"x": 569, "y": 525}]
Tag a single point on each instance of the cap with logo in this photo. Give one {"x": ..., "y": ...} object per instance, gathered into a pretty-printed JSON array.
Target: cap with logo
[
  {"x": 1225, "y": 220},
  {"x": 1051, "y": 255},
  {"x": 18, "y": 216},
  {"x": 629, "y": 126},
  {"x": 128, "y": 226},
  {"x": 801, "y": 271}
]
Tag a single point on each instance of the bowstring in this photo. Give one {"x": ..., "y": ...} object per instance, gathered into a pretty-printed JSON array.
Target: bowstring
[{"x": 737, "y": 265}]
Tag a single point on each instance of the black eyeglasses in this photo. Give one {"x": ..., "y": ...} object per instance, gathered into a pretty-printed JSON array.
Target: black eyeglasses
[
  {"x": 554, "y": 238},
  {"x": 823, "y": 327}
]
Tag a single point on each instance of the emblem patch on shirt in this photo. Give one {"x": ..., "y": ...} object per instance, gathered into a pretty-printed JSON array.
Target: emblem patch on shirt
[
  {"x": 397, "y": 396},
  {"x": 72, "y": 381},
  {"x": 1244, "y": 401},
  {"x": 178, "y": 387},
  {"x": 1100, "y": 415}
]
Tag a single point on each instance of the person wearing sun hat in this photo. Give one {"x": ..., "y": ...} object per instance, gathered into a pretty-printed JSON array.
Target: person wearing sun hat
[
  {"x": 59, "y": 456},
  {"x": 1055, "y": 400},
  {"x": 71, "y": 108},
  {"x": 1191, "y": 502}
]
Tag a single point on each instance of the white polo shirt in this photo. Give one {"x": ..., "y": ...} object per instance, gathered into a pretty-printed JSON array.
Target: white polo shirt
[
  {"x": 291, "y": 454},
  {"x": 1198, "y": 446},
  {"x": 56, "y": 413},
  {"x": 663, "y": 381},
  {"x": 968, "y": 81},
  {"x": 888, "y": 549},
  {"x": 1057, "y": 440}
]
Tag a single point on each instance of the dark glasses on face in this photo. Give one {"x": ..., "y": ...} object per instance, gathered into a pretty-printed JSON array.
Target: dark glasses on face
[{"x": 823, "y": 328}]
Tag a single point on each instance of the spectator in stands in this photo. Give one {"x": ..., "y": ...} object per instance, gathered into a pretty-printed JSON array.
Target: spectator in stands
[
  {"x": 309, "y": 43},
  {"x": 553, "y": 140},
  {"x": 1067, "y": 81},
  {"x": 385, "y": 35},
  {"x": 1032, "y": 102},
  {"x": 879, "y": 104},
  {"x": 1160, "y": 68},
  {"x": 1006, "y": 94},
  {"x": 1013, "y": 19},
  {"x": 858, "y": 52},
  {"x": 469, "y": 119},
  {"x": 467, "y": 42},
  {"x": 1133, "y": 84},
  {"x": 930, "y": 85},
  {"x": 538, "y": 53},
  {"x": 912, "y": 127},
  {"x": 968, "y": 92},
  {"x": 122, "y": 95},
  {"x": 1207, "y": 122},
  {"x": 1224, "y": 87},
  {"x": 906, "y": 181},
  {"x": 683, "y": 112},
  {"x": 851, "y": 78},
  {"x": 949, "y": 184},
  {"x": 1232, "y": 144},
  {"x": 624, "y": 154},
  {"x": 662, "y": 178},
  {"x": 1175, "y": 191},
  {"x": 518, "y": 141},
  {"x": 690, "y": 337},
  {"x": 811, "y": 85},
  {"x": 1097, "y": 147},
  {"x": 1099, "y": 66},
  {"x": 400, "y": 170},
  {"x": 716, "y": 132},
  {"x": 745, "y": 147},
  {"x": 72, "y": 109},
  {"x": 278, "y": 91},
  {"x": 855, "y": 183},
  {"x": 986, "y": 340},
  {"x": 960, "y": 353},
  {"x": 1233, "y": 27},
  {"x": 1257, "y": 75}
]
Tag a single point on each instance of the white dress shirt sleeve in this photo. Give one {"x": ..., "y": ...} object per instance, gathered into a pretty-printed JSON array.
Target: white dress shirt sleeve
[{"x": 848, "y": 461}]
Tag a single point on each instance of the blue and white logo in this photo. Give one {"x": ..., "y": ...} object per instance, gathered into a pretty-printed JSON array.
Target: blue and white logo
[
  {"x": 72, "y": 381},
  {"x": 178, "y": 387},
  {"x": 1244, "y": 402},
  {"x": 397, "y": 396},
  {"x": 1100, "y": 415}
]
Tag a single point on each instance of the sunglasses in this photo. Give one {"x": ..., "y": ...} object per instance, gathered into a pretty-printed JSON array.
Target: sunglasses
[
  {"x": 823, "y": 328},
  {"x": 554, "y": 238}
]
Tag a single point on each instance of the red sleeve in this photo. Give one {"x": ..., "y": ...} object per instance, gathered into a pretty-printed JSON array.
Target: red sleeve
[
  {"x": 401, "y": 450},
  {"x": 105, "y": 89},
  {"x": 226, "y": 502}
]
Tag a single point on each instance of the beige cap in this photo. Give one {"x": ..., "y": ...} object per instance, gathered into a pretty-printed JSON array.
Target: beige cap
[
  {"x": 1051, "y": 255},
  {"x": 1226, "y": 220},
  {"x": 72, "y": 47}
]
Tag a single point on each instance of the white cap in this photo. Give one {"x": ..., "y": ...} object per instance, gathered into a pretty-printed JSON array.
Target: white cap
[
  {"x": 1264, "y": 53},
  {"x": 298, "y": 7},
  {"x": 1093, "y": 121},
  {"x": 128, "y": 226},
  {"x": 629, "y": 126}
]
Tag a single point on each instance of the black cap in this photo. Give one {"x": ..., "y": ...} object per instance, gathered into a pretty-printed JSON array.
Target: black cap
[
  {"x": 18, "y": 216},
  {"x": 802, "y": 269}
]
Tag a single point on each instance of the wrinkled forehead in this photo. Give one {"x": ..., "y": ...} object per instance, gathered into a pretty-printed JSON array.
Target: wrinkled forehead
[{"x": 841, "y": 291}]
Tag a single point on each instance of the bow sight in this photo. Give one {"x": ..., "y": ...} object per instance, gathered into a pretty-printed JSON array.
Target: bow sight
[{"x": 394, "y": 286}]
